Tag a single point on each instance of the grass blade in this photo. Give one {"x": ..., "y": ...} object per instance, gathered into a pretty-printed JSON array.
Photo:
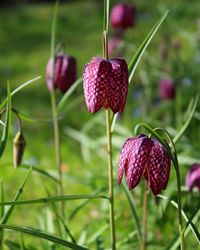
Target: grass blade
[
  {"x": 133, "y": 209},
  {"x": 194, "y": 219},
  {"x": 6, "y": 129},
  {"x": 191, "y": 225},
  {"x": 187, "y": 122},
  {"x": 136, "y": 58},
  {"x": 42, "y": 235},
  {"x": 19, "y": 192},
  {"x": 68, "y": 93},
  {"x": 53, "y": 199},
  {"x": 18, "y": 89}
]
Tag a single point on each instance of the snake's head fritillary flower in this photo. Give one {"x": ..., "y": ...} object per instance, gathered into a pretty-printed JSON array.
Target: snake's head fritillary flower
[
  {"x": 193, "y": 177},
  {"x": 105, "y": 84},
  {"x": 64, "y": 72},
  {"x": 123, "y": 16},
  {"x": 143, "y": 156},
  {"x": 167, "y": 90}
]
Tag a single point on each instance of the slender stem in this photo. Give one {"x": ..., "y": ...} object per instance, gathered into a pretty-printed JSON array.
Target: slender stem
[
  {"x": 144, "y": 218},
  {"x": 179, "y": 204},
  {"x": 57, "y": 146},
  {"x": 110, "y": 174}
]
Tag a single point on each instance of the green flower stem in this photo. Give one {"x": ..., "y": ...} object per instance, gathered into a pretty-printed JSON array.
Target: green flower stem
[
  {"x": 110, "y": 174},
  {"x": 57, "y": 146},
  {"x": 144, "y": 219},
  {"x": 176, "y": 165}
]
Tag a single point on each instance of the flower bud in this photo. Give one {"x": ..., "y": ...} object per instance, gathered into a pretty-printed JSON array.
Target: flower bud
[
  {"x": 105, "y": 84},
  {"x": 167, "y": 90},
  {"x": 64, "y": 72},
  {"x": 19, "y": 144},
  {"x": 123, "y": 16},
  {"x": 143, "y": 156},
  {"x": 193, "y": 177}
]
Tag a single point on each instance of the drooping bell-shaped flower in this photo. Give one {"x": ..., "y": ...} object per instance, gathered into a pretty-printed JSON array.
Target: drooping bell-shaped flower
[
  {"x": 64, "y": 72},
  {"x": 193, "y": 177},
  {"x": 123, "y": 16},
  {"x": 19, "y": 144},
  {"x": 143, "y": 156},
  {"x": 105, "y": 84},
  {"x": 167, "y": 90}
]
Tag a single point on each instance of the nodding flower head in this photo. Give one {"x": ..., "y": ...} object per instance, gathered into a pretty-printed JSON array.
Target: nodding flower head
[
  {"x": 143, "y": 156},
  {"x": 193, "y": 177},
  {"x": 123, "y": 16},
  {"x": 167, "y": 90},
  {"x": 64, "y": 72},
  {"x": 105, "y": 84}
]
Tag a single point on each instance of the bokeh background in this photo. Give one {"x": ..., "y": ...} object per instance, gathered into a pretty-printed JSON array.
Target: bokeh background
[{"x": 25, "y": 34}]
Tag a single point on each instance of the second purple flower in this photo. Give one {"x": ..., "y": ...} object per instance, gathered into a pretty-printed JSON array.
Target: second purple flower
[{"x": 105, "y": 84}]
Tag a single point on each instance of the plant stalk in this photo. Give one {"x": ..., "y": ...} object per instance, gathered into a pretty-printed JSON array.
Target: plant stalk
[
  {"x": 57, "y": 146},
  {"x": 180, "y": 221},
  {"x": 110, "y": 176},
  {"x": 144, "y": 218}
]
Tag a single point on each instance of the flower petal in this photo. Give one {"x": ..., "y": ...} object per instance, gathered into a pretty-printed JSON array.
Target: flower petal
[
  {"x": 123, "y": 158},
  {"x": 96, "y": 77},
  {"x": 158, "y": 168},
  {"x": 118, "y": 86},
  {"x": 137, "y": 160}
]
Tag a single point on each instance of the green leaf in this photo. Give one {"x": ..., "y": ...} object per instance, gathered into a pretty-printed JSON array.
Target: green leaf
[
  {"x": 68, "y": 94},
  {"x": 54, "y": 199},
  {"x": 6, "y": 129},
  {"x": 189, "y": 118},
  {"x": 136, "y": 58},
  {"x": 23, "y": 85},
  {"x": 43, "y": 235},
  {"x": 189, "y": 221},
  {"x": 19, "y": 192},
  {"x": 133, "y": 210}
]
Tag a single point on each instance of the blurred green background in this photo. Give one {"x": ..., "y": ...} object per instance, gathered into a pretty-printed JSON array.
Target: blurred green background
[{"x": 25, "y": 33}]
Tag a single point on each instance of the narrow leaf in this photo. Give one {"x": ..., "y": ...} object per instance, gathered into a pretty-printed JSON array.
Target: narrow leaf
[
  {"x": 42, "y": 235},
  {"x": 6, "y": 129},
  {"x": 19, "y": 192},
  {"x": 68, "y": 93},
  {"x": 54, "y": 199},
  {"x": 191, "y": 225},
  {"x": 23, "y": 85},
  {"x": 187, "y": 122}
]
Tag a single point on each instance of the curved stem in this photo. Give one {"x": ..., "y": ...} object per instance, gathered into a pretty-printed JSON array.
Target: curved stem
[
  {"x": 17, "y": 115},
  {"x": 110, "y": 174},
  {"x": 57, "y": 146},
  {"x": 144, "y": 218}
]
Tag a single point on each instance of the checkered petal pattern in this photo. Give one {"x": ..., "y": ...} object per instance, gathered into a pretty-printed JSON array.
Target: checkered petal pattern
[
  {"x": 143, "y": 156},
  {"x": 105, "y": 84},
  {"x": 118, "y": 89},
  {"x": 96, "y": 78},
  {"x": 158, "y": 168}
]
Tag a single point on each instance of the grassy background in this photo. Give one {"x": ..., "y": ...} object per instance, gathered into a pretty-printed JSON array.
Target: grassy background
[{"x": 24, "y": 51}]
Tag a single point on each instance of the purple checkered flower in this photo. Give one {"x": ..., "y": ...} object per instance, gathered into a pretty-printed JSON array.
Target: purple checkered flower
[
  {"x": 193, "y": 177},
  {"x": 64, "y": 72},
  {"x": 143, "y": 156},
  {"x": 123, "y": 16},
  {"x": 105, "y": 84}
]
